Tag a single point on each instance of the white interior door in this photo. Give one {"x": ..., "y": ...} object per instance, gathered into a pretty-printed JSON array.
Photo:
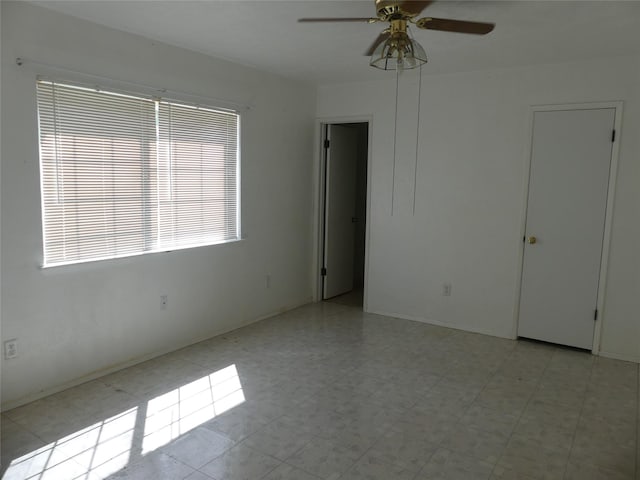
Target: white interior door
[
  {"x": 340, "y": 207},
  {"x": 569, "y": 179}
]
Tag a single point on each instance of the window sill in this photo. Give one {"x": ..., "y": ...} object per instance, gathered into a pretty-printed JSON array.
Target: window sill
[{"x": 123, "y": 259}]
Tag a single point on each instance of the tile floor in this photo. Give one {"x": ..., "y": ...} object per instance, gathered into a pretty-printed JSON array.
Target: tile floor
[
  {"x": 328, "y": 392},
  {"x": 354, "y": 298}
]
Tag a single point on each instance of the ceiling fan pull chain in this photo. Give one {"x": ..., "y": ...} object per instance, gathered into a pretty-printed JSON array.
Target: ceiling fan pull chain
[
  {"x": 415, "y": 168},
  {"x": 395, "y": 136}
]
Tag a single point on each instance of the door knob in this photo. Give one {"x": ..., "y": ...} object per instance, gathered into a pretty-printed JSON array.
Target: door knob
[{"x": 532, "y": 240}]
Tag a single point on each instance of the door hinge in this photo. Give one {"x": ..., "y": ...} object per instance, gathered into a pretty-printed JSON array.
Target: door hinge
[
  {"x": 613, "y": 136},
  {"x": 595, "y": 315},
  {"x": 323, "y": 271},
  {"x": 326, "y": 143}
]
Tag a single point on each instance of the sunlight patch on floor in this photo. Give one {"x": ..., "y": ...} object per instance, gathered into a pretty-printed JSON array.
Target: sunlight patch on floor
[
  {"x": 185, "y": 408},
  {"x": 106, "y": 447},
  {"x": 100, "y": 449}
]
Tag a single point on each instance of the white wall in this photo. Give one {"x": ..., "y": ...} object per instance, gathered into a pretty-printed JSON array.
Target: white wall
[
  {"x": 467, "y": 227},
  {"x": 74, "y": 322}
]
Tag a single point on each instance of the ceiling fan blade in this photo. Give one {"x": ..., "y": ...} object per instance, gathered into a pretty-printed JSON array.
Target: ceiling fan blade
[
  {"x": 321, "y": 20},
  {"x": 414, "y": 7},
  {"x": 457, "y": 26},
  {"x": 381, "y": 38}
]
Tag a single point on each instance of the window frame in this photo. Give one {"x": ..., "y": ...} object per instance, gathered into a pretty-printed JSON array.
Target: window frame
[{"x": 206, "y": 105}]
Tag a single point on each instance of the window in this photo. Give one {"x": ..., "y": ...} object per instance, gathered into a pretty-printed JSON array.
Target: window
[{"x": 124, "y": 175}]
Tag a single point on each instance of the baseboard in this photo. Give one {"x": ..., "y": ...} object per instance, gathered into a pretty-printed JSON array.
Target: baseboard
[
  {"x": 464, "y": 328},
  {"x": 129, "y": 363},
  {"x": 617, "y": 356}
]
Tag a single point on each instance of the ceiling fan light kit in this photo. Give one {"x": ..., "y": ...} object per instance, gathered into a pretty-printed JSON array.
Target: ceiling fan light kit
[
  {"x": 394, "y": 49},
  {"x": 399, "y": 51}
]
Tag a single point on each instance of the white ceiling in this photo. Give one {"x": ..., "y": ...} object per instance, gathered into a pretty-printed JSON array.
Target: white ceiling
[{"x": 265, "y": 34}]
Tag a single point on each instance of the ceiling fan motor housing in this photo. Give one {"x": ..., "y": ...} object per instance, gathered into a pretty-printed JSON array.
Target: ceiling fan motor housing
[
  {"x": 390, "y": 10},
  {"x": 395, "y": 41}
]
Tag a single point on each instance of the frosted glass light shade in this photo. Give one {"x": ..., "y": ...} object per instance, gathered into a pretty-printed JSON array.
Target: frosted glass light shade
[{"x": 398, "y": 53}]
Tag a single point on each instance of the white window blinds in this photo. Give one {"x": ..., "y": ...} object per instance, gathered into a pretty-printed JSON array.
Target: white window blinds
[
  {"x": 123, "y": 175},
  {"x": 197, "y": 172}
]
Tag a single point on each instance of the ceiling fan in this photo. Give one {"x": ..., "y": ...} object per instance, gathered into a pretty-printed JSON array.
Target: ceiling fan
[{"x": 394, "y": 48}]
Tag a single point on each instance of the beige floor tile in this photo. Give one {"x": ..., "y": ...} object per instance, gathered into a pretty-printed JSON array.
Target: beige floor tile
[
  {"x": 592, "y": 451},
  {"x": 520, "y": 384},
  {"x": 409, "y": 449},
  {"x": 198, "y": 447},
  {"x": 288, "y": 472},
  {"x": 153, "y": 467},
  {"x": 489, "y": 420},
  {"x": 558, "y": 394},
  {"x": 198, "y": 476},
  {"x": 529, "y": 458},
  {"x": 503, "y": 399},
  {"x": 448, "y": 465},
  {"x": 578, "y": 471},
  {"x": 617, "y": 432},
  {"x": 370, "y": 467},
  {"x": 480, "y": 444},
  {"x": 237, "y": 423},
  {"x": 560, "y": 380},
  {"x": 500, "y": 473},
  {"x": 434, "y": 428},
  {"x": 324, "y": 458},
  {"x": 240, "y": 463},
  {"x": 15, "y": 442},
  {"x": 333, "y": 391},
  {"x": 565, "y": 418},
  {"x": 547, "y": 435},
  {"x": 278, "y": 440}
]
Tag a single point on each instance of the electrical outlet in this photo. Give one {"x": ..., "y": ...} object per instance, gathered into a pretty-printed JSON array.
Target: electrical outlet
[
  {"x": 446, "y": 289},
  {"x": 267, "y": 281},
  {"x": 11, "y": 348},
  {"x": 163, "y": 301}
]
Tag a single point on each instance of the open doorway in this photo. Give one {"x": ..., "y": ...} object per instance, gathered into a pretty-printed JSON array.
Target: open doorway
[{"x": 344, "y": 212}]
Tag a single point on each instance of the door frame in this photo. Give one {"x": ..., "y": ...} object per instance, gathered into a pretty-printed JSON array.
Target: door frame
[
  {"x": 319, "y": 164},
  {"x": 606, "y": 243}
]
